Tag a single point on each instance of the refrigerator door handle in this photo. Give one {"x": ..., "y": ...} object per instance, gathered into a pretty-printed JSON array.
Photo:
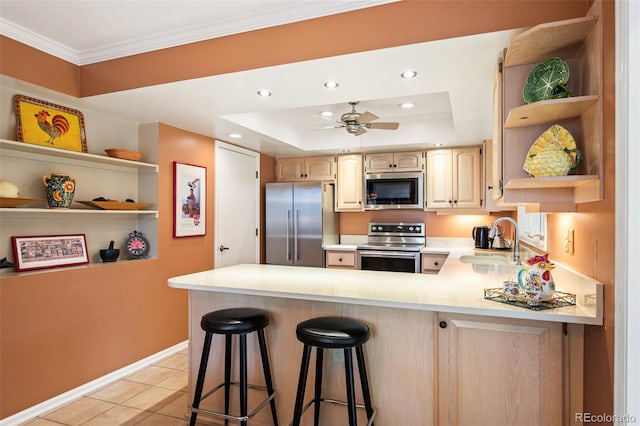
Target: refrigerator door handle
[
  {"x": 295, "y": 237},
  {"x": 288, "y": 234}
]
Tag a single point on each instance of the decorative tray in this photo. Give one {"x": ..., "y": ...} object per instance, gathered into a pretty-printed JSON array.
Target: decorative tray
[
  {"x": 115, "y": 205},
  {"x": 558, "y": 300},
  {"x": 124, "y": 154},
  {"x": 15, "y": 202}
]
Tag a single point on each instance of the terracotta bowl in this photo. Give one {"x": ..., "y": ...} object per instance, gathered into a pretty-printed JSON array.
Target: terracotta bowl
[{"x": 124, "y": 154}]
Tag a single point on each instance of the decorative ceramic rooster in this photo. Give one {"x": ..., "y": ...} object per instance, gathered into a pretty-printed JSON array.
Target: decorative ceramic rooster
[
  {"x": 537, "y": 281},
  {"x": 58, "y": 126}
]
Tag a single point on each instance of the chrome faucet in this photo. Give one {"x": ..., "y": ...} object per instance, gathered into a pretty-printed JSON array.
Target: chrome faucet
[{"x": 516, "y": 243}]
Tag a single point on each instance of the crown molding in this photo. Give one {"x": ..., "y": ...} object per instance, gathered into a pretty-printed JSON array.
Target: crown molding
[{"x": 224, "y": 27}]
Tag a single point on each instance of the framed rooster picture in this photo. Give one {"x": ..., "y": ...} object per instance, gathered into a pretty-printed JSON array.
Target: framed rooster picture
[{"x": 46, "y": 124}]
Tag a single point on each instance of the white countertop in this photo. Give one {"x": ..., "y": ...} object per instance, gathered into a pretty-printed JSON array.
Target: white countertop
[{"x": 458, "y": 288}]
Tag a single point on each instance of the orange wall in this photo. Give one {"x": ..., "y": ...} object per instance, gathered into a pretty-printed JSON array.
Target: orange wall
[
  {"x": 21, "y": 61},
  {"x": 62, "y": 329},
  {"x": 594, "y": 225}
]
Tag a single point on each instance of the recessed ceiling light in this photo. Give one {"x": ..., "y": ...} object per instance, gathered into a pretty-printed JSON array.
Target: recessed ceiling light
[
  {"x": 331, "y": 84},
  {"x": 326, "y": 114},
  {"x": 409, "y": 74},
  {"x": 407, "y": 105},
  {"x": 437, "y": 144},
  {"x": 235, "y": 135},
  {"x": 264, "y": 93}
]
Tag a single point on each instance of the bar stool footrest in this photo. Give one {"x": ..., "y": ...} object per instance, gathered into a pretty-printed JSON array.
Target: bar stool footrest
[
  {"x": 337, "y": 402},
  {"x": 229, "y": 416}
]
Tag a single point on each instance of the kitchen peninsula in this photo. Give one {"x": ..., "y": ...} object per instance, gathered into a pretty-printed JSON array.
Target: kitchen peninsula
[{"x": 439, "y": 352}]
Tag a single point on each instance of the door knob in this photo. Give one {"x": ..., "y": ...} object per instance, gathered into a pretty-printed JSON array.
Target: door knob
[{"x": 223, "y": 248}]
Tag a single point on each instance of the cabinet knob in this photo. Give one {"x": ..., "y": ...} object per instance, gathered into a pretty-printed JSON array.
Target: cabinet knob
[
  {"x": 339, "y": 259},
  {"x": 443, "y": 324},
  {"x": 435, "y": 263}
]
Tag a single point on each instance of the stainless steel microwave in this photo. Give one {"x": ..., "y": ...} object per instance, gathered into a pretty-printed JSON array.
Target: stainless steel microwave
[{"x": 394, "y": 190}]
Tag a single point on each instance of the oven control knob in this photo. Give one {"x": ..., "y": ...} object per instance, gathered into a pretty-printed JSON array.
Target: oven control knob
[{"x": 411, "y": 229}]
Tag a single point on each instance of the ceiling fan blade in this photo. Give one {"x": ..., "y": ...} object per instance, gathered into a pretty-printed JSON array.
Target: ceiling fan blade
[
  {"x": 360, "y": 131},
  {"x": 367, "y": 117},
  {"x": 383, "y": 126}
]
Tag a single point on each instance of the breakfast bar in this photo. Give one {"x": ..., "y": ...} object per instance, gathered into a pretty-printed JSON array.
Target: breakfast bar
[{"x": 439, "y": 353}]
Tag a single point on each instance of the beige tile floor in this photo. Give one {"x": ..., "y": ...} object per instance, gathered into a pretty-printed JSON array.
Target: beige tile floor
[{"x": 155, "y": 395}]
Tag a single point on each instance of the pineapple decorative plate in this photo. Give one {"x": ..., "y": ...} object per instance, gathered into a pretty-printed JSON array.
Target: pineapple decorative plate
[{"x": 554, "y": 153}]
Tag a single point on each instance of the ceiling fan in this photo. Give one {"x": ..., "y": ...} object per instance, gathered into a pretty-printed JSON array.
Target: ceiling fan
[{"x": 357, "y": 123}]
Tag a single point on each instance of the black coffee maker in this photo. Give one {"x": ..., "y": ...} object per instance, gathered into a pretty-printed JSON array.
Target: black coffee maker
[{"x": 480, "y": 235}]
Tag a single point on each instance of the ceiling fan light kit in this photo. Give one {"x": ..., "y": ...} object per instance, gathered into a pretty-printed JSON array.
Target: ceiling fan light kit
[{"x": 357, "y": 123}]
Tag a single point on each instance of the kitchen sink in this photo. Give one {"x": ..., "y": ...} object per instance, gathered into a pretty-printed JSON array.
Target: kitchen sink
[{"x": 483, "y": 259}]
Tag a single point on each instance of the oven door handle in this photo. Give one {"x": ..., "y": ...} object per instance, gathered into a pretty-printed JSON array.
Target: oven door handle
[{"x": 386, "y": 253}]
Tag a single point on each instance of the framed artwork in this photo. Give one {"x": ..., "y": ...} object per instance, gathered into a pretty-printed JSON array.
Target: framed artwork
[
  {"x": 189, "y": 198},
  {"x": 49, "y": 251},
  {"x": 46, "y": 124}
]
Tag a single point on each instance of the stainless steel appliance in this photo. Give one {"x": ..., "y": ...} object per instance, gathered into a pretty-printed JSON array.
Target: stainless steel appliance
[
  {"x": 394, "y": 190},
  {"x": 300, "y": 219},
  {"x": 392, "y": 247}
]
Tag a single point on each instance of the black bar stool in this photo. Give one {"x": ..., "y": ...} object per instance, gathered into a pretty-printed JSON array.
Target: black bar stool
[
  {"x": 239, "y": 321},
  {"x": 333, "y": 333}
]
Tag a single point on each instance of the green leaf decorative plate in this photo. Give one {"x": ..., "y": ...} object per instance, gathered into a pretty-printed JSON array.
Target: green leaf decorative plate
[{"x": 547, "y": 80}]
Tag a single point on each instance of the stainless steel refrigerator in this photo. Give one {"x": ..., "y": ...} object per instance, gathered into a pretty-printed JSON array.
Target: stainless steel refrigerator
[{"x": 300, "y": 219}]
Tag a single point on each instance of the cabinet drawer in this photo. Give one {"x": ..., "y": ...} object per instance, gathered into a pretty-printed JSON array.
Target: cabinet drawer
[
  {"x": 431, "y": 263},
  {"x": 341, "y": 259}
]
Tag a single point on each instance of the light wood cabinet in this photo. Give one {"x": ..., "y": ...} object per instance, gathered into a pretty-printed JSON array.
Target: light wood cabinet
[
  {"x": 502, "y": 371},
  {"x": 579, "y": 43},
  {"x": 394, "y": 162},
  {"x": 454, "y": 178},
  {"x": 321, "y": 168},
  {"x": 349, "y": 183},
  {"x": 432, "y": 262},
  {"x": 340, "y": 259},
  {"x": 491, "y": 183}
]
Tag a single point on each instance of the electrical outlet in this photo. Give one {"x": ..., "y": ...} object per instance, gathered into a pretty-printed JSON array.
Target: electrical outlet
[
  {"x": 337, "y": 355},
  {"x": 568, "y": 241}
]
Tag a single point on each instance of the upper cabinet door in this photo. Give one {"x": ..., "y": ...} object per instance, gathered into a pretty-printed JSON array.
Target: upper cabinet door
[
  {"x": 383, "y": 162},
  {"x": 466, "y": 178},
  {"x": 290, "y": 169},
  {"x": 378, "y": 162},
  {"x": 439, "y": 185},
  {"x": 408, "y": 161},
  {"x": 349, "y": 183},
  {"x": 320, "y": 168},
  {"x": 454, "y": 178},
  {"x": 306, "y": 168}
]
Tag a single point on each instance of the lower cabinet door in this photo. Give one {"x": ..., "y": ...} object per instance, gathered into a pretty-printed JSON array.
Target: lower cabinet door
[{"x": 499, "y": 371}]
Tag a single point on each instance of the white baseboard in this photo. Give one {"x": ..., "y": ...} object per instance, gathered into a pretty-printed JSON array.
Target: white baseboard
[{"x": 65, "y": 398}]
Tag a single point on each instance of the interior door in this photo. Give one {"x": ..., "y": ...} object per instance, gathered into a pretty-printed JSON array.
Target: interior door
[{"x": 237, "y": 206}]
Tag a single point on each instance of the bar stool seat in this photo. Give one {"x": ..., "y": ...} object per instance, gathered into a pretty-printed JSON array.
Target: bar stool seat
[
  {"x": 230, "y": 322},
  {"x": 333, "y": 333}
]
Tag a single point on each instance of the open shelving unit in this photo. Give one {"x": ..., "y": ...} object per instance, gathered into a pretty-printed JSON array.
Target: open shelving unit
[
  {"x": 579, "y": 43},
  {"x": 97, "y": 175}
]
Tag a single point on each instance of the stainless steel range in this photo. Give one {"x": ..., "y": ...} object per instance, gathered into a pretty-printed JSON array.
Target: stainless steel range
[{"x": 392, "y": 247}]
